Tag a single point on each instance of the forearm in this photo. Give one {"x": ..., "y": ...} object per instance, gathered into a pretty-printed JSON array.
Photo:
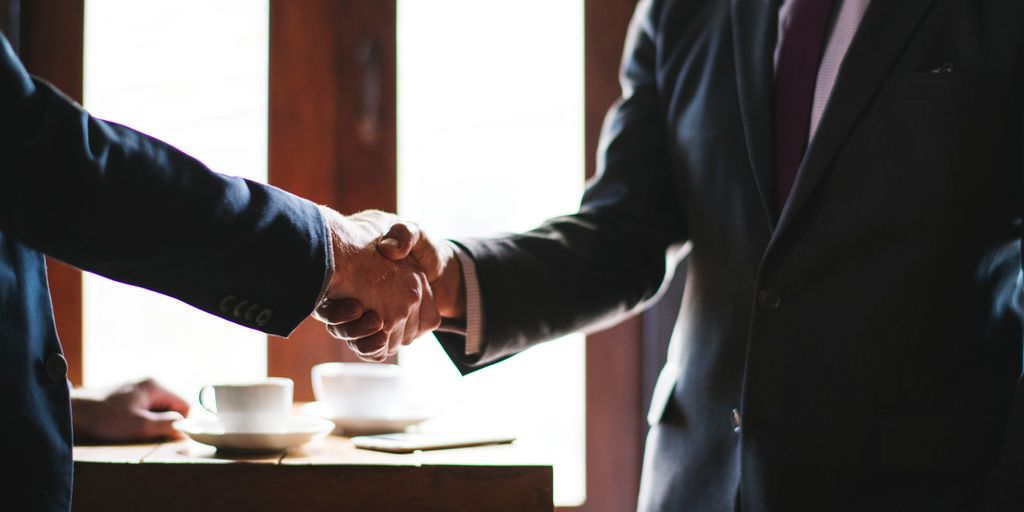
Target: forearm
[
  {"x": 116, "y": 202},
  {"x": 85, "y": 415},
  {"x": 573, "y": 273},
  {"x": 88, "y": 413}
]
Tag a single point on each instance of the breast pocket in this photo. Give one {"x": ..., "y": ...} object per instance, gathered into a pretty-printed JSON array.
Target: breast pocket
[{"x": 937, "y": 85}]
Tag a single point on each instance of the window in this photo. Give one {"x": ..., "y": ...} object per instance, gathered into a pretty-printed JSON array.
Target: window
[
  {"x": 471, "y": 156},
  {"x": 490, "y": 138},
  {"x": 194, "y": 74}
]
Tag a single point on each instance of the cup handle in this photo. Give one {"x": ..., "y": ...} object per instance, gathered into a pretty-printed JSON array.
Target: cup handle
[
  {"x": 202, "y": 403},
  {"x": 317, "y": 393}
]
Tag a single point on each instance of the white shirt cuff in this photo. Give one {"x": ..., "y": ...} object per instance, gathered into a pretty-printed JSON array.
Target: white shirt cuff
[{"x": 474, "y": 312}]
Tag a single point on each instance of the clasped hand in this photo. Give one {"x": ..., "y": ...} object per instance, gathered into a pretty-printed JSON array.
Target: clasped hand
[{"x": 391, "y": 283}]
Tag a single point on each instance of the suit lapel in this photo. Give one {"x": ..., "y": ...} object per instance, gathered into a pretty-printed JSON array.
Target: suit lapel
[
  {"x": 753, "y": 30},
  {"x": 885, "y": 30}
]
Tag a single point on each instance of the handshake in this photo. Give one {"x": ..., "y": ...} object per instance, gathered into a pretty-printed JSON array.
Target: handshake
[{"x": 391, "y": 283}]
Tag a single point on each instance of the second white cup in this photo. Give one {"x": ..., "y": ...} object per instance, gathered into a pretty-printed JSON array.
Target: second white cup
[{"x": 359, "y": 390}]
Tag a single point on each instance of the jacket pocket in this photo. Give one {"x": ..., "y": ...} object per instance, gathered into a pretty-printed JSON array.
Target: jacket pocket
[
  {"x": 939, "y": 442},
  {"x": 934, "y": 86}
]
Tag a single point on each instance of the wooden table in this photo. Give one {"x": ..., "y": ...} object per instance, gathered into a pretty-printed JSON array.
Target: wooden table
[{"x": 329, "y": 474}]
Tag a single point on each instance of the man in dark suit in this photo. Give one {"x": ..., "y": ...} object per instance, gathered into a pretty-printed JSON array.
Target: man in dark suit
[
  {"x": 843, "y": 172},
  {"x": 111, "y": 200}
]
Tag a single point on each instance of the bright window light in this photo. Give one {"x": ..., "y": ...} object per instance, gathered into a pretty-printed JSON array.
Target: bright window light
[
  {"x": 193, "y": 73},
  {"x": 490, "y": 138}
]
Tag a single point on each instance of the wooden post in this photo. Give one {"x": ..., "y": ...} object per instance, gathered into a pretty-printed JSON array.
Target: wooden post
[
  {"x": 51, "y": 46},
  {"x": 615, "y": 401},
  {"x": 332, "y": 131}
]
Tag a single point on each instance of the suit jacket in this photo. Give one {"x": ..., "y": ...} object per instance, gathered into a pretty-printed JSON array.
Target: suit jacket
[
  {"x": 113, "y": 201},
  {"x": 854, "y": 332}
]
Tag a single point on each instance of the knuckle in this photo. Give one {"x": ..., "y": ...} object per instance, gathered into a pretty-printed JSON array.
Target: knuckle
[
  {"x": 390, "y": 326},
  {"x": 415, "y": 295},
  {"x": 375, "y": 322},
  {"x": 412, "y": 290},
  {"x": 433, "y": 323},
  {"x": 401, "y": 229}
]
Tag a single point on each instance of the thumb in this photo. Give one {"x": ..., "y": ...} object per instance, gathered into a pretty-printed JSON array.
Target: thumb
[
  {"x": 399, "y": 241},
  {"x": 163, "y": 399}
]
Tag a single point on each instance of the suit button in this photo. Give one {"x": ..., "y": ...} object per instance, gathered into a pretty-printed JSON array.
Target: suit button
[
  {"x": 228, "y": 303},
  {"x": 737, "y": 421},
  {"x": 250, "y": 313},
  {"x": 769, "y": 298},
  {"x": 264, "y": 317},
  {"x": 238, "y": 311},
  {"x": 57, "y": 367}
]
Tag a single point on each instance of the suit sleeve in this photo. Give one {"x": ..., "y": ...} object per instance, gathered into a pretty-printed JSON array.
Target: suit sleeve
[
  {"x": 1005, "y": 489},
  {"x": 584, "y": 270},
  {"x": 113, "y": 201}
]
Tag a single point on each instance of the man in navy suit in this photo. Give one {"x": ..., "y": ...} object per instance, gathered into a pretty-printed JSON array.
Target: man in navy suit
[
  {"x": 113, "y": 201},
  {"x": 844, "y": 173}
]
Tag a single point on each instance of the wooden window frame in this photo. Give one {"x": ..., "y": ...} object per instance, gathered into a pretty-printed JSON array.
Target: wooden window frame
[{"x": 57, "y": 60}]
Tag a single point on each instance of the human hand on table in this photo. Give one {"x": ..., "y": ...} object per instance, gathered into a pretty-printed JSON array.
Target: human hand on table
[
  {"x": 387, "y": 302},
  {"x": 133, "y": 412},
  {"x": 406, "y": 243}
]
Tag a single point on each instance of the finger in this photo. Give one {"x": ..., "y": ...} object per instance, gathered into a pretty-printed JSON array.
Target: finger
[
  {"x": 411, "y": 325},
  {"x": 162, "y": 399},
  {"x": 385, "y": 350},
  {"x": 399, "y": 241},
  {"x": 432, "y": 256},
  {"x": 430, "y": 317},
  {"x": 159, "y": 425},
  {"x": 381, "y": 355},
  {"x": 370, "y": 323},
  {"x": 362, "y": 357},
  {"x": 339, "y": 311},
  {"x": 398, "y": 337},
  {"x": 369, "y": 346}
]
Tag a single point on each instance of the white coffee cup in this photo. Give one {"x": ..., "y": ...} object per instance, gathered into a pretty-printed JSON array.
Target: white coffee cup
[
  {"x": 261, "y": 406},
  {"x": 359, "y": 390}
]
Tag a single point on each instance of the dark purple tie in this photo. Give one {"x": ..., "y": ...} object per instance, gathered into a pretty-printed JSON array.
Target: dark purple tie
[{"x": 795, "y": 73}]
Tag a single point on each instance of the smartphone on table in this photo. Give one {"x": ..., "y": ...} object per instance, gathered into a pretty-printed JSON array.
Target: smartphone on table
[{"x": 408, "y": 442}]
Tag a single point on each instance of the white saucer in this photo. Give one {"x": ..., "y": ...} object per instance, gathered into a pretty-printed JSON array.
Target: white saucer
[
  {"x": 300, "y": 430},
  {"x": 364, "y": 425}
]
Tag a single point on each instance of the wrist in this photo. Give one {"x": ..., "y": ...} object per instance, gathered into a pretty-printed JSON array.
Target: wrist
[
  {"x": 340, "y": 238},
  {"x": 84, "y": 416},
  {"x": 450, "y": 290},
  {"x": 328, "y": 256}
]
